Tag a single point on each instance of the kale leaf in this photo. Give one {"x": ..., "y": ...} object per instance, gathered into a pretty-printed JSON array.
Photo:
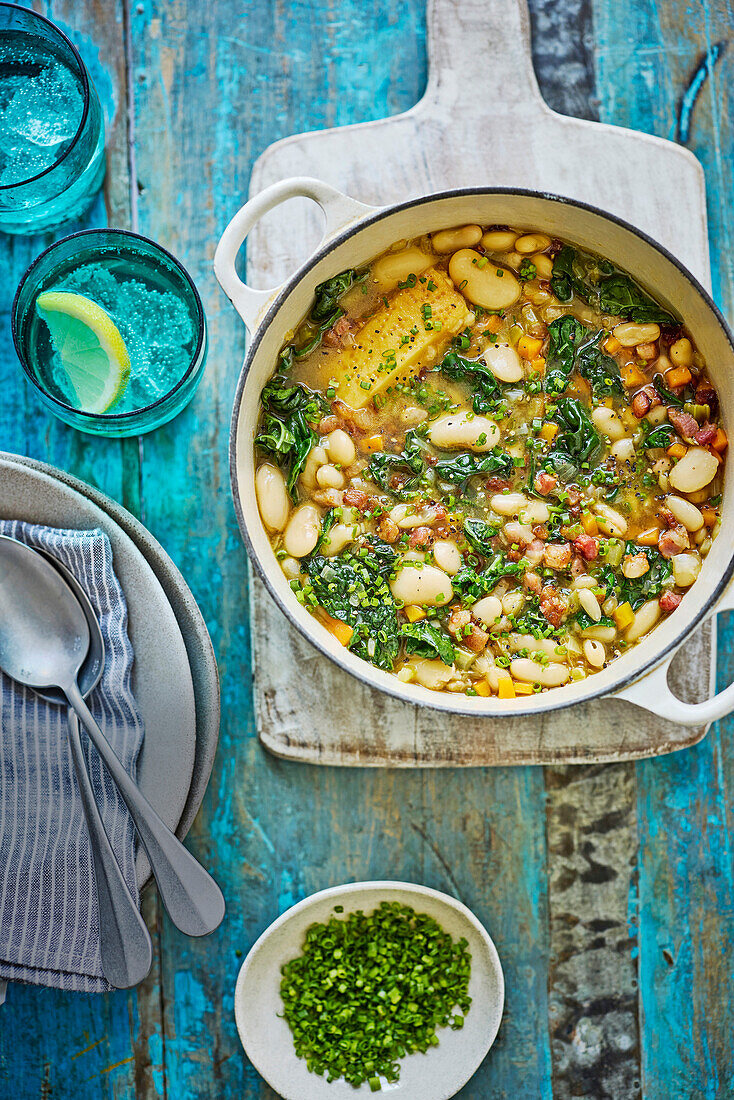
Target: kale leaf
[
  {"x": 465, "y": 465},
  {"x": 354, "y": 589},
  {"x": 533, "y": 621},
  {"x": 636, "y": 590},
  {"x": 427, "y": 641},
  {"x": 584, "y": 620},
  {"x": 487, "y": 392},
  {"x": 578, "y": 442},
  {"x": 324, "y": 312},
  {"x": 470, "y": 584},
  {"x": 609, "y": 479},
  {"x": 572, "y": 345},
  {"x": 661, "y": 436},
  {"x": 479, "y": 535},
  {"x": 669, "y": 398},
  {"x": 604, "y": 287},
  {"x": 410, "y": 461},
  {"x": 285, "y": 433}
]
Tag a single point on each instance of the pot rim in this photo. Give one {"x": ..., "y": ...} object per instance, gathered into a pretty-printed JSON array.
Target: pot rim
[{"x": 402, "y": 692}]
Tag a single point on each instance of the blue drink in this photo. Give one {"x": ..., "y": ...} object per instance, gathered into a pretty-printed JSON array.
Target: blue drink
[
  {"x": 153, "y": 304},
  {"x": 51, "y": 128}
]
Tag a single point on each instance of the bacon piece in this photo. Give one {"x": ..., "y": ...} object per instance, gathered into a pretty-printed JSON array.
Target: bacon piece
[
  {"x": 706, "y": 395},
  {"x": 420, "y": 537},
  {"x": 466, "y": 631},
  {"x": 673, "y": 541},
  {"x": 388, "y": 529},
  {"x": 685, "y": 424},
  {"x": 534, "y": 551},
  {"x": 337, "y": 336},
  {"x": 532, "y": 582},
  {"x": 587, "y": 547},
  {"x": 356, "y": 498},
  {"x": 557, "y": 555},
  {"x": 578, "y": 567},
  {"x": 666, "y": 516},
  {"x": 496, "y": 484},
  {"x": 553, "y": 605},
  {"x": 669, "y": 601},
  {"x": 328, "y": 424},
  {"x": 545, "y": 483},
  {"x": 645, "y": 399},
  {"x": 706, "y": 434}
]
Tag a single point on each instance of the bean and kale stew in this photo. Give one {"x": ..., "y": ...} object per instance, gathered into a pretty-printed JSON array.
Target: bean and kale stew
[{"x": 489, "y": 462}]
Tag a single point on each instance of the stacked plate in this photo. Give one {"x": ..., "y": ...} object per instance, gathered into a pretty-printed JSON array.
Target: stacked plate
[{"x": 175, "y": 673}]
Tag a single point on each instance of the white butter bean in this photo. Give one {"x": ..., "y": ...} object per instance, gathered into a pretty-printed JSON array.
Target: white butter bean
[
  {"x": 550, "y": 675},
  {"x": 685, "y": 512},
  {"x": 607, "y": 421},
  {"x": 630, "y": 334},
  {"x": 499, "y": 240},
  {"x": 424, "y": 585},
  {"x": 477, "y": 433},
  {"x": 272, "y": 497},
  {"x": 584, "y": 581},
  {"x": 532, "y": 242},
  {"x": 694, "y": 471},
  {"x": 483, "y": 283},
  {"x": 590, "y": 604},
  {"x": 463, "y": 236},
  {"x": 623, "y": 450},
  {"x": 686, "y": 568},
  {"x": 488, "y": 610},
  {"x": 595, "y": 653},
  {"x": 432, "y": 674},
  {"x": 681, "y": 352},
  {"x": 610, "y": 521},
  {"x": 644, "y": 620},
  {"x": 538, "y": 645},
  {"x": 395, "y": 267},
  {"x": 512, "y": 602},
  {"x": 328, "y": 477},
  {"x": 536, "y": 512},
  {"x": 338, "y": 537},
  {"x": 341, "y": 447},
  {"x": 291, "y": 568},
  {"x": 504, "y": 362},
  {"x": 302, "y": 532},
  {"x": 521, "y": 533},
  {"x": 543, "y": 265},
  {"x": 508, "y": 504},
  {"x": 317, "y": 457},
  {"x": 600, "y": 633},
  {"x": 447, "y": 556}
]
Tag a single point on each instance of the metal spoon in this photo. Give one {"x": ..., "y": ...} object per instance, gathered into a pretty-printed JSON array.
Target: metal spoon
[
  {"x": 44, "y": 638},
  {"x": 125, "y": 946}
]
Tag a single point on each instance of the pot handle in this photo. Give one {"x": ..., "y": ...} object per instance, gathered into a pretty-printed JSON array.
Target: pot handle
[
  {"x": 653, "y": 693},
  {"x": 339, "y": 211}
]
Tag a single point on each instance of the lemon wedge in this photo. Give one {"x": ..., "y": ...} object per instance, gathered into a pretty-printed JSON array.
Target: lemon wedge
[{"x": 92, "y": 351}]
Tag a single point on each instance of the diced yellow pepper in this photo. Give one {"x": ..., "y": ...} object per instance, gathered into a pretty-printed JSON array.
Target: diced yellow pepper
[
  {"x": 410, "y": 330},
  {"x": 341, "y": 631},
  {"x": 623, "y": 616},
  {"x": 678, "y": 376},
  {"x": 482, "y": 688},
  {"x": 372, "y": 444},
  {"x": 413, "y": 613},
  {"x": 529, "y": 347},
  {"x": 548, "y": 432},
  {"x": 537, "y": 366},
  {"x": 677, "y": 450},
  {"x": 649, "y": 537},
  {"x": 612, "y": 345},
  {"x": 589, "y": 524},
  {"x": 523, "y": 689},
  {"x": 506, "y": 686},
  {"x": 632, "y": 376}
]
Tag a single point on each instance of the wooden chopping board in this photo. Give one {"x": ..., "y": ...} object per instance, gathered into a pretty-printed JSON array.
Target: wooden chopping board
[{"x": 482, "y": 122}]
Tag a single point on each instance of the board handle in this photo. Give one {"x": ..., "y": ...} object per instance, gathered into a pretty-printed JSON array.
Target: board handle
[
  {"x": 339, "y": 211},
  {"x": 479, "y": 52},
  {"x": 653, "y": 693}
]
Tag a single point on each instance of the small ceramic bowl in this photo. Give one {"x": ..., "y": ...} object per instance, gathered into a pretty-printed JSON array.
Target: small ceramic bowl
[{"x": 436, "y": 1075}]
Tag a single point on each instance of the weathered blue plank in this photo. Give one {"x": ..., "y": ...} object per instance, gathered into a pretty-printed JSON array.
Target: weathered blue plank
[{"x": 646, "y": 64}]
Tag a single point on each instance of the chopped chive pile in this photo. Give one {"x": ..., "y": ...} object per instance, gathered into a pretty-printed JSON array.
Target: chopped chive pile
[{"x": 371, "y": 988}]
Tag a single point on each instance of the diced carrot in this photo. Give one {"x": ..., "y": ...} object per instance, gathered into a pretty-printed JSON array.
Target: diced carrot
[
  {"x": 677, "y": 450},
  {"x": 482, "y": 688},
  {"x": 529, "y": 347},
  {"x": 720, "y": 440},
  {"x": 589, "y": 524},
  {"x": 413, "y": 613},
  {"x": 623, "y": 615},
  {"x": 717, "y": 455},
  {"x": 494, "y": 323},
  {"x": 506, "y": 686},
  {"x": 548, "y": 432},
  {"x": 372, "y": 444},
  {"x": 632, "y": 376},
  {"x": 678, "y": 376},
  {"x": 341, "y": 631},
  {"x": 649, "y": 537},
  {"x": 523, "y": 689},
  {"x": 709, "y": 516},
  {"x": 612, "y": 345},
  {"x": 537, "y": 366}
]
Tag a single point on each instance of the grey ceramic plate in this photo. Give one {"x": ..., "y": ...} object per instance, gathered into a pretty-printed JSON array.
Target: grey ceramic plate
[
  {"x": 193, "y": 628},
  {"x": 162, "y": 680}
]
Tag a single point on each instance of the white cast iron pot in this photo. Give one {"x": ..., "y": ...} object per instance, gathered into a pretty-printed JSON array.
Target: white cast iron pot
[{"x": 354, "y": 234}]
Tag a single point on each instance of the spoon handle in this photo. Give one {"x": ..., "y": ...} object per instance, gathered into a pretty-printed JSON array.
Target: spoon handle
[
  {"x": 123, "y": 936},
  {"x": 191, "y": 896}
]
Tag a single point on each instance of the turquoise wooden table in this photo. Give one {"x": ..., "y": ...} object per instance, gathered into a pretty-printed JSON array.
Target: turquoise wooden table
[{"x": 609, "y": 890}]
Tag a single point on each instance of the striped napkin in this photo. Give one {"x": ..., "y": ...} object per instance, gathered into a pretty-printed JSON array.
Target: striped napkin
[{"x": 49, "y": 930}]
